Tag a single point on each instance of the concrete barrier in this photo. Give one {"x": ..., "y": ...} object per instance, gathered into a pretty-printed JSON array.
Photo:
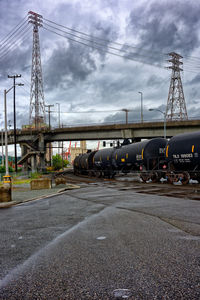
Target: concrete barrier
[
  {"x": 60, "y": 180},
  {"x": 5, "y": 194},
  {"x": 41, "y": 183}
]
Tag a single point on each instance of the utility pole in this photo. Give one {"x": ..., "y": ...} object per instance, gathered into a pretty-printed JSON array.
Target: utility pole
[
  {"x": 49, "y": 112},
  {"x": 2, "y": 162},
  {"x": 6, "y": 134},
  {"x": 176, "y": 106},
  {"x": 141, "y": 106},
  {"x": 58, "y": 125},
  {"x": 14, "y": 111}
]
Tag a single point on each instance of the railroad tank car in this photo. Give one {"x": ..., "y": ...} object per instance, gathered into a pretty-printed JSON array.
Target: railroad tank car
[
  {"x": 183, "y": 157},
  {"x": 102, "y": 162},
  {"x": 77, "y": 167},
  {"x": 84, "y": 163},
  {"x": 143, "y": 155}
]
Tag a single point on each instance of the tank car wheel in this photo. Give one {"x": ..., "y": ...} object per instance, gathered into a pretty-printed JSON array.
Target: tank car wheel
[
  {"x": 98, "y": 174},
  {"x": 144, "y": 178},
  {"x": 90, "y": 174},
  {"x": 170, "y": 180},
  {"x": 186, "y": 178},
  {"x": 154, "y": 177}
]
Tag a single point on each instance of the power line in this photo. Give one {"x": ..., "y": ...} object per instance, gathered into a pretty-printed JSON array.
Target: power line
[
  {"x": 103, "y": 50},
  {"x": 23, "y": 37},
  {"x": 11, "y": 32},
  {"x": 25, "y": 80},
  {"x": 18, "y": 36},
  {"x": 105, "y": 40},
  {"x": 130, "y": 55},
  {"x": 90, "y": 111},
  {"x": 100, "y": 44}
]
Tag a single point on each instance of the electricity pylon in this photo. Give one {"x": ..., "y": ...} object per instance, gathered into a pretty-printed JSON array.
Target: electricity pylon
[
  {"x": 37, "y": 104},
  {"x": 176, "y": 107}
]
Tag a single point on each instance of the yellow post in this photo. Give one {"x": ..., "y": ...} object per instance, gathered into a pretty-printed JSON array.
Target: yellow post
[{"x": 6, "y": 189}]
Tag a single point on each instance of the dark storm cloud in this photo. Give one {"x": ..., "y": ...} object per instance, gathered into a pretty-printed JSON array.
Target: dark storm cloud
[
  {"x": 70, "y": 61},
  {"x": 154, "y": 80},
  {"x": 17, "y": 61},
  {"x": 67, "y": 65},
  {"x": 167, "y": 25},
  {"x": 195, "y": 80}
]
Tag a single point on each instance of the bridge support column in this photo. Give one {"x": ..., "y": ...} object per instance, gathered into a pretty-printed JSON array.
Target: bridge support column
[
  {"x": 42, "y": 149},
  {"x": 33, "y": 163},
  {"x": 24, "y": 151}
]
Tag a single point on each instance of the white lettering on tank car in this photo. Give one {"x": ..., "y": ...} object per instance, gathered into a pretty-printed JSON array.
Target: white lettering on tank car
[
  {"x": 138, "y": 157},
  {"x": 175, "y": 155},
  {"x": 161, "y": 150},
  {"x": 187, "y": 155}
]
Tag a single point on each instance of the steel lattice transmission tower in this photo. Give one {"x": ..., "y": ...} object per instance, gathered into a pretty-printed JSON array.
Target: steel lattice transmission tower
[
  {"x": 37, "y": 104},
  {"x": 176, "y": 107}
]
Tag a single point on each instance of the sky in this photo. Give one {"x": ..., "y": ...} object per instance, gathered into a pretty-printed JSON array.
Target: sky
[{"x": 82, "y": 78}]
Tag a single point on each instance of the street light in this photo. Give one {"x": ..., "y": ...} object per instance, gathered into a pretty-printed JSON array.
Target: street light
[
  {"x": 164, "y": 114},
  {"x": 6, "y": 131},
  {"x": 14, "y": 112},
  {"x": 141, "y": 106}
]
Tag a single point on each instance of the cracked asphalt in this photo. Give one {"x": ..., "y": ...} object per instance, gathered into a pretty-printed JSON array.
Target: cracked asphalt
[{"x": 101, "y": 242}]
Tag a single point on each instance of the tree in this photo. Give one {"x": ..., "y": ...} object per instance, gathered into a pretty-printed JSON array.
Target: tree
[{"x": 57, "y": 162}]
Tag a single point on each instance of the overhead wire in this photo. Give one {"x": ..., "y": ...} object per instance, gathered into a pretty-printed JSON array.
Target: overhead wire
[
  {"x": 17, "y": 38},
  {"x": 100, "y": 44},
  {"x": 101, "y": 49},
  {"x": 12, "y": 32},
  {"x": 90, "y": 111},
  {"x": 188, "y": 57},
  {"x": 129, "y": 54},
  {"x": 22, "y": 38},
  {"x": 104, "y": 40},
  {"x": 26, "y": 81}
]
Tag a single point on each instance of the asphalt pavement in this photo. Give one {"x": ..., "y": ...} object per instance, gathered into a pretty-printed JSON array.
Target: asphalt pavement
[{"x": 101, "y": 242}]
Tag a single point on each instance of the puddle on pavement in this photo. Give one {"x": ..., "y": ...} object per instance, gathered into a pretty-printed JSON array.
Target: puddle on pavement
[
  {"x": 100, "y": 238},
  {"x": 122, "y": 293},
  {"x": 190, "y": 238}
]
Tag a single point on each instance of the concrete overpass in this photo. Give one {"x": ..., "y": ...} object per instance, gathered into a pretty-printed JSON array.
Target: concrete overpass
[
  {"x": 34, "y": 143},
  {"x": 135, "y": 131}
]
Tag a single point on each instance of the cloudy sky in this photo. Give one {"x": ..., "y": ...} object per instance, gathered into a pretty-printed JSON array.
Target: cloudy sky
[{"x": 83, "y": 78}]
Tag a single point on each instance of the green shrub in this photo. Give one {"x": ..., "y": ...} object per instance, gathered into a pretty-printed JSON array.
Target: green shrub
[
  {"x": 57, "y": 162},
  {"x": 65, "y": 163},
  {"x": 2, "y": 169},
  {"x": 35, "y": 175}
]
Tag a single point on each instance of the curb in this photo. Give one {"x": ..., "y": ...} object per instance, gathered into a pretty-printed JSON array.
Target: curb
[{"x": 62, "y": 191}]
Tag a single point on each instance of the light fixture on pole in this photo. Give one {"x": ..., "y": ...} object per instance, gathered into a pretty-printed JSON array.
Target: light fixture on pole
[
  {"x": 6, "y": 130},
  {"x": 164, "y": 114},
  {"x": 14, "y": 112},
  {"x": 141, "y": 106}
]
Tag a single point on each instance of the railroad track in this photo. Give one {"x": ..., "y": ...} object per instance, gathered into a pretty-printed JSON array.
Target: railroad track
[{"x": 191, "y": 191}]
